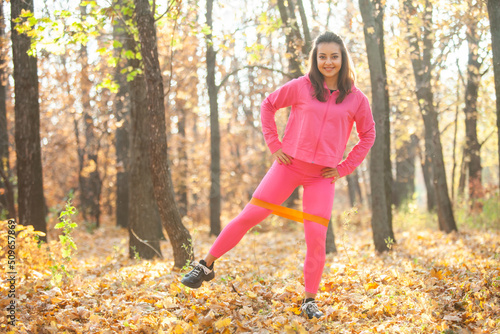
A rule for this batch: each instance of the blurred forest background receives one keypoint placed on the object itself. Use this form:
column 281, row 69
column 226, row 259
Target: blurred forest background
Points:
column 217, row 62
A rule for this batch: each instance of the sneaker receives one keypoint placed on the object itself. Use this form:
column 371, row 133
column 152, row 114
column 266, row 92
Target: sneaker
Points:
column 310, row 309
column 200, row 273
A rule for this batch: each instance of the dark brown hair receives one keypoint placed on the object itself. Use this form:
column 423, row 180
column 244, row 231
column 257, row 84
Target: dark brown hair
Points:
column 346, row 73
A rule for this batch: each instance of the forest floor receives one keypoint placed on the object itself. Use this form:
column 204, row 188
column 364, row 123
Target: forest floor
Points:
column 431, row 282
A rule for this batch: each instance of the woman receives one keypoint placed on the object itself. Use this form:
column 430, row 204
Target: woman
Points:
column 325, row 105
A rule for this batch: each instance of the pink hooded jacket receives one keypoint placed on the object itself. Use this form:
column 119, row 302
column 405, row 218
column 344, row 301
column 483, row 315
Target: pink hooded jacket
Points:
column 317, row 132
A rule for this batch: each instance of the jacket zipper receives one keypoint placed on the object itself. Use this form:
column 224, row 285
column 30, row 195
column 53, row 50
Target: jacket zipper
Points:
column 322, row 125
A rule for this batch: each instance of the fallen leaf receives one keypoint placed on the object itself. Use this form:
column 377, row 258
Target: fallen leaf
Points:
column 219, row 324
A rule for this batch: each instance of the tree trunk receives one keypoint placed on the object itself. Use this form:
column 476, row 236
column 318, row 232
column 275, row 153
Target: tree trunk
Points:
column 330, row 239
column 122, row 147
column 354, row 190
column 305, row 28
column 215, row 195
column 163, row 190
column 294, row 41
column 144, row 217
column 455, row 131
column 294, row 48
column 351, row 189
column 494, row 15
column 357, row 188
column 472, row 146
column 90, row 181
column 426, row 164
column 404, row 186
column 380, row 169
column 27, row 112
column 7, row 197
column 463, row 175
column 422, row 66
column 182, row 193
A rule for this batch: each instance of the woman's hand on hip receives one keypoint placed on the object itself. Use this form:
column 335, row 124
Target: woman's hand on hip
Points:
column 282, row 157
column 329, row 172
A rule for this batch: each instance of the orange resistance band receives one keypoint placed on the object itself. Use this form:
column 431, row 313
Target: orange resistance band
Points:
column 292, row 214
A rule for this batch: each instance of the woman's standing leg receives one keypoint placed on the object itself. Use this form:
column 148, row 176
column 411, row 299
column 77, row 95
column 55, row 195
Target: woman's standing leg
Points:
column 317, row 200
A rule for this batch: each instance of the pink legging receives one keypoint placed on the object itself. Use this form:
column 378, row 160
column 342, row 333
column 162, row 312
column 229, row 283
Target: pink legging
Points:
column 278, row 184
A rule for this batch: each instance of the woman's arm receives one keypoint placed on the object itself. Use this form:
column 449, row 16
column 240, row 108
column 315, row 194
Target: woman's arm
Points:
column 365, row 126
column 283, row 97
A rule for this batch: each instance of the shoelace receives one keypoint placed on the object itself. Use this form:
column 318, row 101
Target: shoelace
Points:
column 199, row 267
column 311, row 307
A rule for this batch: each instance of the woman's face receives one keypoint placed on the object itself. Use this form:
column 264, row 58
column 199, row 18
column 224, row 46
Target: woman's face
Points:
column 329, row 60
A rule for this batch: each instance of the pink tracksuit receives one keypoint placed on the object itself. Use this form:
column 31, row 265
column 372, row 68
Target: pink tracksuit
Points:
column 316, row 136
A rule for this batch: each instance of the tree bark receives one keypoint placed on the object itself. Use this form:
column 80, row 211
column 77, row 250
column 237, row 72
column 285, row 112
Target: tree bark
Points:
column 90, row 181
column 472, row 146
column 163, row 190
column 421, row 62
column 494, row 16
column 305, row 29
column 404, row 185
column 380, row 169
column 426, row 165
column 463, row 175
column 144, row 222
column 31, row 200
column 388, row 180
column 215, row 194
column 455, row 132
column 144, row 217
column 7, row 198
column 293, row 39
column 330, row 239
column 182, row 192
column 122, row 147
column 357, row 188
column 351, row 189
column 294, row 48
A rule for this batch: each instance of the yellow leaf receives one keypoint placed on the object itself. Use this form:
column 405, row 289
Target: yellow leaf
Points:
column 437, row 273
column 295, row 310
column 242, row 327
column 222, row 323
column 370, row 30
column 372, row 285
column 56, row 300
column 251, row 294
column 178, row 329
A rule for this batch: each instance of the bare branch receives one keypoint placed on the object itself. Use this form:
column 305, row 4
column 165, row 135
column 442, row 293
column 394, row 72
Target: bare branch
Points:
column 486, row 139
column 460, row 74
column 146, row 243
column 168, row 10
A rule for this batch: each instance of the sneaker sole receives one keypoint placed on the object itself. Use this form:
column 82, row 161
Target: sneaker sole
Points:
column 307, row 317
column 196, row 286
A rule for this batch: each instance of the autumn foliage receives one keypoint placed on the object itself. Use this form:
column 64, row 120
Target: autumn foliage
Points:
column 431, row 282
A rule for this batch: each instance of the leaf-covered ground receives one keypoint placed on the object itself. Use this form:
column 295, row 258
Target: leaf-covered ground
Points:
column 430, row 283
